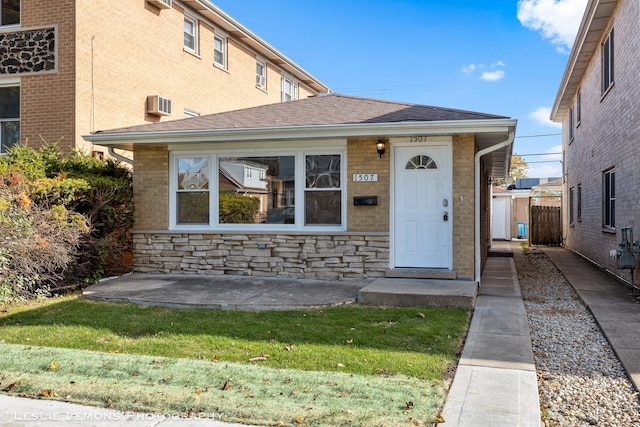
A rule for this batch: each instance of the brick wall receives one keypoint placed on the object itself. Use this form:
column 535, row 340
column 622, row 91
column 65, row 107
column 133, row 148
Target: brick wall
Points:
column 48, row 99
column 112, row 55
column 302, row 255
column 607, row 136
column 151, row 187
column 362, row 157
column 463, row 205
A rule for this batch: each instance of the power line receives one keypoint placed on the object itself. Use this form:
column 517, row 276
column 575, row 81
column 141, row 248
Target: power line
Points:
column 537, row 136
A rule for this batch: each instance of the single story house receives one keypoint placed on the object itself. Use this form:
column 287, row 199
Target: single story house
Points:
column 354, row 188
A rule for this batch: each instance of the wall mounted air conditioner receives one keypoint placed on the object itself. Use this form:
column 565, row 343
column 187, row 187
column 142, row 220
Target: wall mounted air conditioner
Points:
column 158, row 105
column 162, row 4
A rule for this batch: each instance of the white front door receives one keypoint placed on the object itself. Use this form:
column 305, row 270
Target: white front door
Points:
column 422, row 206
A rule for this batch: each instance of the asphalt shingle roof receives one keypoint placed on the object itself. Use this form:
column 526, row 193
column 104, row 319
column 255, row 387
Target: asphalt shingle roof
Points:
column 331, row 109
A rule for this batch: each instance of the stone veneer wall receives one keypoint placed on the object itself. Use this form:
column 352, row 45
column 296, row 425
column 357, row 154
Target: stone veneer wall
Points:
column 300, row 255
column 27, row 51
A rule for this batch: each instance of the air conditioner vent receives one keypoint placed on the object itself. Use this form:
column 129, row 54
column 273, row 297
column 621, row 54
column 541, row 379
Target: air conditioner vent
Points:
column 158, row 105
column 162, row 4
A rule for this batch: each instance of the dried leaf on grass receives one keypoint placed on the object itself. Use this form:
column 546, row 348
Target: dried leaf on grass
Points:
column 9, row 387
column 259, row 358
column 226, row 386
column 47, row 393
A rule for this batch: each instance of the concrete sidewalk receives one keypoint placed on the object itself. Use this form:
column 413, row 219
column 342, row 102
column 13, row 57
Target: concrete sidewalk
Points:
column 611, row 303
column 495, row 383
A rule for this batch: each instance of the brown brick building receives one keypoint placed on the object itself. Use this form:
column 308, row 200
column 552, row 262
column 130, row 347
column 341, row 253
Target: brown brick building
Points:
column 71, row 67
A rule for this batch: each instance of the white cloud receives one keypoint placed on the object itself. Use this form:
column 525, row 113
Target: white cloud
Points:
column 541, row 115
column 468, row 69
column 551, row 166
column 556, row 20
column 492, row 76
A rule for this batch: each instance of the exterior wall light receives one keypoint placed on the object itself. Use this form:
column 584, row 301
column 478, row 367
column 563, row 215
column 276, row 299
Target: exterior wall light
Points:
column 380, row 146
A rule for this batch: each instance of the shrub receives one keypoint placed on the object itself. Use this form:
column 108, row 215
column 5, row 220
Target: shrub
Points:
column 237, row 209
column 61, row 218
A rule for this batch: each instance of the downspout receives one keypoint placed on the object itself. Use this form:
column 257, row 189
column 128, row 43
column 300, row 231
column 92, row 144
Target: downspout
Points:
column 479, row 154
column 117, row 156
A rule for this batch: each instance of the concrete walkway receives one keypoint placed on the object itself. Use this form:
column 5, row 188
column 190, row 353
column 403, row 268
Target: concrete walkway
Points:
column 495, row 384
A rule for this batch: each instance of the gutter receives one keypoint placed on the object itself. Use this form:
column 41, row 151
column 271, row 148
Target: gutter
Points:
column 300, row 132
column 117, row 156
column 479, row 154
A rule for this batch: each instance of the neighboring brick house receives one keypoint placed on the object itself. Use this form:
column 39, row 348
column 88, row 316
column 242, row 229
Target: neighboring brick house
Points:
column 356, row 188
column 68, row 68
column 598, row 103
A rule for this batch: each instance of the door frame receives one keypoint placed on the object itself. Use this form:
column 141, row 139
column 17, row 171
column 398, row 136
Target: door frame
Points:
column 418, row 141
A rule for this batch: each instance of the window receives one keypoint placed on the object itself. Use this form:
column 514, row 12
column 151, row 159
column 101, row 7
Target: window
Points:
column 607, row 63
column 609, row 199
column 289, row 89
column 322, row 196
column 261, row 74
column 187, row 113
column 191, row 34
column 579, row 207
column 192, row 198
column 578, row 108
column 291, row 190
column 10, row 12
column 9, row 117
column 571, row 201
column 220, row 51
column 571, row 124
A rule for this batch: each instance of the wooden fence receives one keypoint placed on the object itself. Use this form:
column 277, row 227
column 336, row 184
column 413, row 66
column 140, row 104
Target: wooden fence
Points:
column 545, row 225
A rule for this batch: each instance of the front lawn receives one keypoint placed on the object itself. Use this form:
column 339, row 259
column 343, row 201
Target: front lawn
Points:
column 350, row 364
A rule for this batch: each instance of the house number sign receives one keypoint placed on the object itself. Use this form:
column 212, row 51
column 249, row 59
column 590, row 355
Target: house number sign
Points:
column 365, row 177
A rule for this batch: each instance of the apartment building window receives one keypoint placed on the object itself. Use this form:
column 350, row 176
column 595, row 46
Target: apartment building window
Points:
column 220, row 51
column 289, row 89
column 191, row 34
column 261, row 74
column 571, row 204
column 607, row 63
column 609, row 199
column 10, row 12
column 579, row 203
column 571, row 111
column 578, row 108
column 9, row 117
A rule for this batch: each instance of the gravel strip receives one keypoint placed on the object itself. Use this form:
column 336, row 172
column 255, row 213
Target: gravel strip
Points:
column 580, row 380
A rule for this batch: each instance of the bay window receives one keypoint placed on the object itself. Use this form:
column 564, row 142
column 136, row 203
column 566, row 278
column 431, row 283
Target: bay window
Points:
column 260, row 191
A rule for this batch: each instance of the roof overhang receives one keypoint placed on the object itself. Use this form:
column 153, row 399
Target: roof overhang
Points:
column 225, row 22
column 487, row 132
column 594, row 23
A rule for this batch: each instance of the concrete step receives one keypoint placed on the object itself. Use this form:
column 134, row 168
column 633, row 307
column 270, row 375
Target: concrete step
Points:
column 400, row 292
column 420, row 273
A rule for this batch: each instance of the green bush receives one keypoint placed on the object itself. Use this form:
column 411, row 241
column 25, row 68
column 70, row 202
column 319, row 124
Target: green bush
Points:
column 237, row 209
column 62, row 219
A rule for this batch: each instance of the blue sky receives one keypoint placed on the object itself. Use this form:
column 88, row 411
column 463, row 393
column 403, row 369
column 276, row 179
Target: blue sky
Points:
column 502, row 57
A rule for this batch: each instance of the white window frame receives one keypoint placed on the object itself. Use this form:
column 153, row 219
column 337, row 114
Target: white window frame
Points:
column 11, row 25
column 11, row 82
column 194, row 23
column 299, row 152
column 223, row 43
column 187, row 113
column 294, row 89
column 261, row 79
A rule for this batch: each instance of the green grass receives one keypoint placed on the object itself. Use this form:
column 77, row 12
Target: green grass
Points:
column 323, row 351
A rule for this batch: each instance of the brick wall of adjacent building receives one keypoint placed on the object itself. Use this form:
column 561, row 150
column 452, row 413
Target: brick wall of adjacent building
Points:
column 363, row 158
column 463, row 205
column 48, row 98
column 303, row 255
column 112, row 55
column 151, row 188
column 607, row 136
